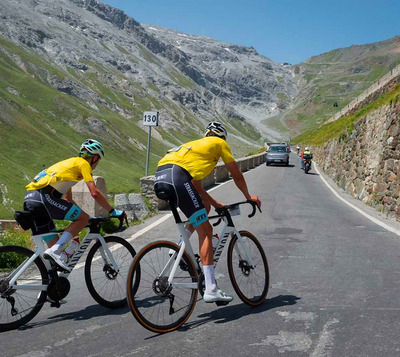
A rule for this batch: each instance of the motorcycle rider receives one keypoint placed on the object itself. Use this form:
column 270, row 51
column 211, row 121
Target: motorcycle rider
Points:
column 306, row 151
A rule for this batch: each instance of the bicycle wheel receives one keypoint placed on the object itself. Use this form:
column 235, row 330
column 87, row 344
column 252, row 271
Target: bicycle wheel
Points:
column 251, row 282
column 156, row 305
column 18, row 306
column 106, row 285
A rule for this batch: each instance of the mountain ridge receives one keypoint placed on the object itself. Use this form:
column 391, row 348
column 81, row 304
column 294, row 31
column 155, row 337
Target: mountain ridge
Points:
column 69, row 73
column 74, row 69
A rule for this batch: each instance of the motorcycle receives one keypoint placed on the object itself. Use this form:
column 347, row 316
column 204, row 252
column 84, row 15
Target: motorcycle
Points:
column 307, row 162
column 307, row 165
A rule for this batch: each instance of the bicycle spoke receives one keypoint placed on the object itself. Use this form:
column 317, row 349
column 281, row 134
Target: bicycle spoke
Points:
column 19, row 305
column 250, row 282
column 106, row 285
column 157, row 305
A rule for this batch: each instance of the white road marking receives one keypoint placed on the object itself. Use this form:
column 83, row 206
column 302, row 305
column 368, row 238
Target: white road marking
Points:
column 373, row 219
column 325, row 341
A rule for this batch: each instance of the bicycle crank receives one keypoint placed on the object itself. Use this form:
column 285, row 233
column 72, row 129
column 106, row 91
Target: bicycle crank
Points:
column 201, row 284
column 57, row 291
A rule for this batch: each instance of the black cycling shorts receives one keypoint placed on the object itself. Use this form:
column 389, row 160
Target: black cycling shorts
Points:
column 174, row 184
column 46, row 204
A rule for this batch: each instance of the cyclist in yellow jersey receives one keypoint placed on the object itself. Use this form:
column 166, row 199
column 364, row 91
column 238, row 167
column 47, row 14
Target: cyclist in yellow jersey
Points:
column 178, row 180
column 44, row 198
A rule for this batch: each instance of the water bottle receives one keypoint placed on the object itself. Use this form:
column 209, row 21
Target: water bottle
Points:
column 69, row 251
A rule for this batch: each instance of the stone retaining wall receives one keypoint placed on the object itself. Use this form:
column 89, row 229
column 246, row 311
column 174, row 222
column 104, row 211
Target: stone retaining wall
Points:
column 83, row 198
column 366, row 162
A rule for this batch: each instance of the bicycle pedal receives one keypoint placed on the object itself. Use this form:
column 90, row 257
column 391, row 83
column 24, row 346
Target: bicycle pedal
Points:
column 222, row 303
column 55, row 304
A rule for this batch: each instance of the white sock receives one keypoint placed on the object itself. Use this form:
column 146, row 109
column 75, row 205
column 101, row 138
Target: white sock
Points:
column 209, row 278
column 61, row 243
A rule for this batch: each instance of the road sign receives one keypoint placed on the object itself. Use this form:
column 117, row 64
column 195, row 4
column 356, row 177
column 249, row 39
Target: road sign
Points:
column 150, row 118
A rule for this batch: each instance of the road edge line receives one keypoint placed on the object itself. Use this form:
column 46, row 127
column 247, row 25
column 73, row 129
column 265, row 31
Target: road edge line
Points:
column 373, row 219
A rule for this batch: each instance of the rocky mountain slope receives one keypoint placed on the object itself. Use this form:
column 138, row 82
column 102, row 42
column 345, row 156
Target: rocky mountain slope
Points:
column 72, row 69
column 245, row 84
column 328, row 82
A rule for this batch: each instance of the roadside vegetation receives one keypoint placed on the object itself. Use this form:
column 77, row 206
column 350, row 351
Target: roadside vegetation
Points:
column 324, row 133
column 40, row 125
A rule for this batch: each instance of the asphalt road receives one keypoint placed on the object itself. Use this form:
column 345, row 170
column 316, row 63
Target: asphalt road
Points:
column 335, row 283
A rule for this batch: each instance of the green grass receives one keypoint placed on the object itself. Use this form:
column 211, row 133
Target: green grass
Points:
column 282, row 97
column 41, row 125
column 121, row 49
column 181, row 79
column 149, row 56
column 323, row 134
column 16, row 237
column 337, row 76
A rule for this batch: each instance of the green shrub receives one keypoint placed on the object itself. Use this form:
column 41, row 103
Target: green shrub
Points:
column 13, row 237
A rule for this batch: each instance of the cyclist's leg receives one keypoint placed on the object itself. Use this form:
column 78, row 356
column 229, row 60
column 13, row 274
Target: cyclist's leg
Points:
column 204, row 230
column 42, row 222
column 58, row 208
column 211, row 293
column 198, row 218
column 71, row 231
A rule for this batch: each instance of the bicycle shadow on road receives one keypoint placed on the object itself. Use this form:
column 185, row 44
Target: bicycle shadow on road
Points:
column 87, row 313
column 230, row 313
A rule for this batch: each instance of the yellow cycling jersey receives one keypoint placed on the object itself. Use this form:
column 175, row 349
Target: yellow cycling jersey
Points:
column 199, row 157
column 63, row 175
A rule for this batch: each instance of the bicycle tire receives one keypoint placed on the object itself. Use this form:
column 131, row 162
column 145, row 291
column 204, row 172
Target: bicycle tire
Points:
column 149, row 296
column 105, row 285
column 255, row 279
column 30, row 301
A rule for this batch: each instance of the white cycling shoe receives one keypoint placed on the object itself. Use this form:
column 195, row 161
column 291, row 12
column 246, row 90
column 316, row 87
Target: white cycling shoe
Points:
column 216, row 295
column 57, row 259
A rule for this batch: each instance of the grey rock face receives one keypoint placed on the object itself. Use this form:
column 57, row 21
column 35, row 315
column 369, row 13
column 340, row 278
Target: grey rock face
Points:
column 237, row 76
column 203, row 75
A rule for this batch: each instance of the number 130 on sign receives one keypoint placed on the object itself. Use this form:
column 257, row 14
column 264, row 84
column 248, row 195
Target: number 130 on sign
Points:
column 150, row 118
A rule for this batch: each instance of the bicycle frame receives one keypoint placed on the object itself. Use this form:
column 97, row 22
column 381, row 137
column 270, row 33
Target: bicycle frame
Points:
column 79, row 251
column 228, row 231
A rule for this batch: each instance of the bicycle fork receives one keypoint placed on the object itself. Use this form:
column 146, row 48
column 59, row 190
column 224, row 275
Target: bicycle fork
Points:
column 110, row 267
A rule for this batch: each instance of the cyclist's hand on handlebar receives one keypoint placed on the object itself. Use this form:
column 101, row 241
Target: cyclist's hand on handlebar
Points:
column 117, row 213
column 219, row 205
column 256, row 200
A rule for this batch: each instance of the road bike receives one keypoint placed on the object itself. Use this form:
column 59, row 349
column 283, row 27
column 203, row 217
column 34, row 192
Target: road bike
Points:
column 27, row 280
column 164, row 278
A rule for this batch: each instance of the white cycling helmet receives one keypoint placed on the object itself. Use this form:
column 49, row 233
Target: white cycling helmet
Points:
column 91, row 147
column 216, row 128
column 306, row 149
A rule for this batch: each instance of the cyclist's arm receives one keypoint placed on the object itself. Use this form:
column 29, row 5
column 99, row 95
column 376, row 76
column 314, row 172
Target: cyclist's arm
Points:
column 240, row 182
column 205, row 196
column 98, row 195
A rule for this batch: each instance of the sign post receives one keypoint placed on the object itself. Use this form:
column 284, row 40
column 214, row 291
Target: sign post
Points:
column 149, row 119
